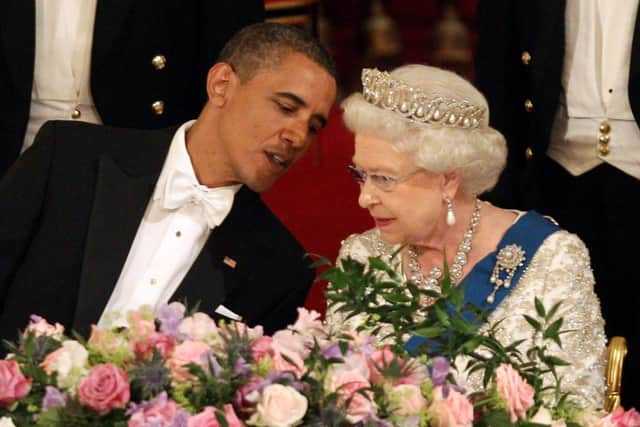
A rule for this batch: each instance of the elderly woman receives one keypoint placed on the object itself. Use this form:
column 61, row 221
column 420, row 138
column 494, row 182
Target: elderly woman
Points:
column 423, row 153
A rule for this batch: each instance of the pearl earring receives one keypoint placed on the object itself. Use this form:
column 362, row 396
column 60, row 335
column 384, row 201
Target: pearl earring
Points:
column 451, row 217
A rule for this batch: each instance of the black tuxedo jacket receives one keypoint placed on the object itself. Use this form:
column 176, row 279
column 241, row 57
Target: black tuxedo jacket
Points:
column 506, row 30
column 71, row 206
column 124, row 83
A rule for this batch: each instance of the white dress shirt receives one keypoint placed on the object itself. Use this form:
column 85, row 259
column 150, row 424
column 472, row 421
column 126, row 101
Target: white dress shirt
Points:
column 168, row 240
column 62, row 68
column 599, row 35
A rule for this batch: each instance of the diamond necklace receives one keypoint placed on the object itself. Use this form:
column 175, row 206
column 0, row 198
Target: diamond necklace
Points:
column 432, row 281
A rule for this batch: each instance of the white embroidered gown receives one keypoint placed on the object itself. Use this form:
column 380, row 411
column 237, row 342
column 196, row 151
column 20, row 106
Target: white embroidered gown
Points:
column 559, row 271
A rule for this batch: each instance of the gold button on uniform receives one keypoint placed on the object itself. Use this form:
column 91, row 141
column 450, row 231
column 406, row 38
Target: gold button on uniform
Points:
column 159, row 62
column 604, row 138
column 75, row 114
column 526, row 57
column 528, row 105
column 158, row 108
column 528, row 153
column 153, row 281
column 603, row 149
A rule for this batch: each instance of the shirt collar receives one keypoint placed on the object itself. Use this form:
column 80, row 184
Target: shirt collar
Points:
column 178, row 159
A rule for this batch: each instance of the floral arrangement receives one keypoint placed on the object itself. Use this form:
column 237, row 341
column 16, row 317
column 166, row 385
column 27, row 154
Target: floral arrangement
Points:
column 172, row 367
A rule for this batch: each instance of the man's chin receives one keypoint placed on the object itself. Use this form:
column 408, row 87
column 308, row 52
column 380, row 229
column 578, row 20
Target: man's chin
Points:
column 260, row 186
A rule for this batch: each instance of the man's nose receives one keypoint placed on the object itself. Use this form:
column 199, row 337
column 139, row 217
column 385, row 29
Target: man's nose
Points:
column 297, row 135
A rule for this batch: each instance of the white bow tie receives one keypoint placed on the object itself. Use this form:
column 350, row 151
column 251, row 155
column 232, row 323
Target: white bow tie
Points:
column 182, row 189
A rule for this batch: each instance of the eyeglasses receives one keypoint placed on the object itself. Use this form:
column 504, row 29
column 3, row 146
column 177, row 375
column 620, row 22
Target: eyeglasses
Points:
column 383, row 182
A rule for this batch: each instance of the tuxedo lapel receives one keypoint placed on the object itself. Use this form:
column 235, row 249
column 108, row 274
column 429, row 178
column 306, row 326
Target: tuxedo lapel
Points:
column 227, row 259
column 118, row 208
column 110, row 15
column 17, row 33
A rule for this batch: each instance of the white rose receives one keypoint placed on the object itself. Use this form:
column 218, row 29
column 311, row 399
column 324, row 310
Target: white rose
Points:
column 280, row 406
column 6, row 422
column 70, row 363
column 199, row 327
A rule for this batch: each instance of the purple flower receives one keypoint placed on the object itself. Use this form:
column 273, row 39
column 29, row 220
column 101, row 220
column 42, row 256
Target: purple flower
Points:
column 285, row 378
column 53, row 398
column 160, row 411
column 209, row 360
column 242, row 368
column 439, row 370
column 34, row 318
column 333, row 351
column 170, row 316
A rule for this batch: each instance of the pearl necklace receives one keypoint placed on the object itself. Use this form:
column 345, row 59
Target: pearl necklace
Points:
column 432, row 281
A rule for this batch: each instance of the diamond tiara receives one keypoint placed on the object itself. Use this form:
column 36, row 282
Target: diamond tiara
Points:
column 382, row 90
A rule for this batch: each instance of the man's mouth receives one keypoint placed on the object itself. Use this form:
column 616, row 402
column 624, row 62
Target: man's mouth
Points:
column 278, row 160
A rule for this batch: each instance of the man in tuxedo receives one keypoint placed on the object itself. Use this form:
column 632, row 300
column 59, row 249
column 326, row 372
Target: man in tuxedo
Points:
column 562, row 78
column 126, row 63
column 99, row 220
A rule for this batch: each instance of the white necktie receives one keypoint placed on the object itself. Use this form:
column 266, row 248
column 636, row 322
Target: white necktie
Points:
column 182, row 189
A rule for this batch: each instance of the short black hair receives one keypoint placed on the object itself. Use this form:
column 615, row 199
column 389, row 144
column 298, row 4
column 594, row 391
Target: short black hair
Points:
column 266, row 44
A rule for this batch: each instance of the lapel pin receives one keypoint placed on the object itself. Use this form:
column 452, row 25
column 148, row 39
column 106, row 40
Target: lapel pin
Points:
column 230, row 262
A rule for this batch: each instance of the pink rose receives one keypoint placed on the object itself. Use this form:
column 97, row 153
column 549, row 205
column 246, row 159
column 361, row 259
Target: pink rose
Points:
column 409, row 400
column 349, row 384
column 39, row 326
column 13, row 385
column 261, row 347
column 160, row 414
column 454, row 411
column 183, row 354
column 516, row 393
column 622, row 418
column 280, row 406
column 380, row 359
column 207, row 418
column 105, row 388
column 163, row 343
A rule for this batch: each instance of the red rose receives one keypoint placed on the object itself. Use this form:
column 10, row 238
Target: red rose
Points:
column 106, row 388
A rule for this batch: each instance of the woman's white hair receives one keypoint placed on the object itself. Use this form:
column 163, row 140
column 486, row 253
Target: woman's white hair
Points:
column 479, row 153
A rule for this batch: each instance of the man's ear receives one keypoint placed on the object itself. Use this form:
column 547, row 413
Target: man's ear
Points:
column 451, row 183
column 219, row 81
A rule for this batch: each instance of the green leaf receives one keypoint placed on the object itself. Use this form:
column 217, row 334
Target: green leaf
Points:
column 430, row 332
column 533, row 322
column 222, row 420
column 552, row 330
column 553, row 311
column 539, row 307
column 495, row 419
column 555, row 361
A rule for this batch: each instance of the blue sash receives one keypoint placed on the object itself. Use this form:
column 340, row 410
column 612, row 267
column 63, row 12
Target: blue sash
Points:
column 529, row 232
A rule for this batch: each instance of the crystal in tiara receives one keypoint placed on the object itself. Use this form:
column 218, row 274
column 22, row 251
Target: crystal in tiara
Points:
column 382, row 90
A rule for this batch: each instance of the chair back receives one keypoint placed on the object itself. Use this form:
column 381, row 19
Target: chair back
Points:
column 616, row 352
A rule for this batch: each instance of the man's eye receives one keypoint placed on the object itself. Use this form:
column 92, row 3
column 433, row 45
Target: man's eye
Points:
column 286, row 108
